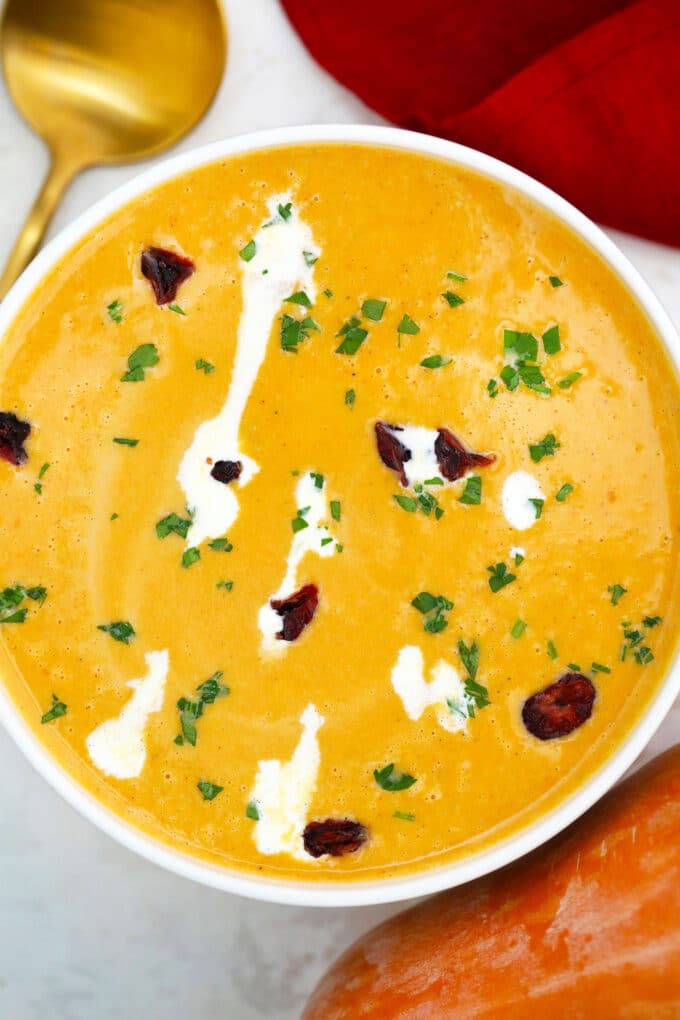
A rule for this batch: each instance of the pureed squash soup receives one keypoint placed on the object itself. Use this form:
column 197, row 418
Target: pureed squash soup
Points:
column 337, row 533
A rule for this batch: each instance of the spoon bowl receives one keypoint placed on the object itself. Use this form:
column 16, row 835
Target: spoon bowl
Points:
column 106, row 81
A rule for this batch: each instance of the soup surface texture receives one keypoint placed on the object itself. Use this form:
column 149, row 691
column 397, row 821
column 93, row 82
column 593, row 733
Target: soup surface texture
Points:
column 337, row 535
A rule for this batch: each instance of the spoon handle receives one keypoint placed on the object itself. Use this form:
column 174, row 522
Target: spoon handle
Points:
column 60, row 173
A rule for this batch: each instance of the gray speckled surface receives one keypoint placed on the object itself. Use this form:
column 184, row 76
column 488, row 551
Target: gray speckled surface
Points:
column 88, row 931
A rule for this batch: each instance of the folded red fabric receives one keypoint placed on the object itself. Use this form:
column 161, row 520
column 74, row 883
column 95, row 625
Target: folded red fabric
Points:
column 582, row 94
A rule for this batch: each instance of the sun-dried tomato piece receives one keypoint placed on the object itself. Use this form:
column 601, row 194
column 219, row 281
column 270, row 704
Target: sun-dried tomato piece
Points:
column 165, row 270
column 334, row 836
column 392, row 452
column 297, row 611
column 560, row 708
column 454, row 459
column 13, row 434
column 226, row 471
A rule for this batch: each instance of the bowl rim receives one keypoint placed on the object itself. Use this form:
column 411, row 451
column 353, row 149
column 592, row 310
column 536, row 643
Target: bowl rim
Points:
column 343, row 892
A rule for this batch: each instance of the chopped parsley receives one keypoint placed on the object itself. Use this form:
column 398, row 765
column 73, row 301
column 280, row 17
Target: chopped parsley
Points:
column 435, row 361
column 562, row 493
column 114, row 517
column 472, row 493
column 310, row 258
column 176, row 309
column 143, row 357
column 404, row 816
column 253, row 811
column 173, row 523
column 523, row 346
column 220, row 545
column 191, row 556
column 122, row 441
column 115, row 311
column 120, row 631
column 522, row 349
column 294, row 331
column 350, row 397
column 56, row 710
column 500, row 577
column 433, row 608
column 393, row 782
column 518, row 628
column 41, row 474
column 408, row 326
column 11, row 599
column 300, row 297
column 652, row 621
column 298, row 523
column 574, row 667
column 453, row 300
column 191, row 710
column 227, row 585
column 248, row 252
column 599, row 668
column 633, row 638
column 317, row 479
column 551, row 340
column 492, row 388
column 407, row 503
column 423, row 500
column 285, row 211
column 204, row 366
column 552, row 650
column 335, row 509
column 518, row 558
column 569, row 380
column 209, row 790
column 476, row 694
column 328, row 293
column 373, row 309
column 545, row 448
column 353, row 335
column 555, row 281
column 326, row 541
column 538, row 506
column 617, row 591
column 456, row 276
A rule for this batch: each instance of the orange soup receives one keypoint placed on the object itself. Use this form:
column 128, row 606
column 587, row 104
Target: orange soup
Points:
column 339, row 531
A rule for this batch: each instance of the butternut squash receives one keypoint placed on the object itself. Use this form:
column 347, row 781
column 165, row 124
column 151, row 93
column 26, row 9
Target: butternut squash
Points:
column 586, row 927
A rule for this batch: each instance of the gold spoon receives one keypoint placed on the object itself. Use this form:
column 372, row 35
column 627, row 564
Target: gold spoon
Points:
column 105, row 81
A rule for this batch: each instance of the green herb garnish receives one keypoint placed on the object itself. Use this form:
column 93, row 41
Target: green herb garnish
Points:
column 285, row 211
column 545, row 448
column 555, row 281
column 204, row 366
column 456, row 276
column 404, row 816
column 191, row 710
column 173, row 523
column 353, row 335
column 538, row 506
column 432, row 608
column 335, row 509
column 408, row 326
column 652, row 621
column 569, row 380
column 552, row 651
column 125, row 442
column 248, row 252
column 253, row 811
column 500, row 577
column 115, row 311
column 598, row 668
column 299, row 298
column 373, row 309
column 294, row 331
column 453, row 300
column 190, row 556
column 209, row 790
column 407, row 503
column 492, row 388
column 310, row 258
column 176, row 309
column 57, row 709
column 476, row 694
column 617, row 591
column 518, row 628
column 562, row 493
column 472, row 493
column 317, row 479
column 227, row 585
column 350, row 397
column 120, row 631
column 220, row 545
column 393, row 781
column 551, row 340
column 435, row 361
column 145, row 356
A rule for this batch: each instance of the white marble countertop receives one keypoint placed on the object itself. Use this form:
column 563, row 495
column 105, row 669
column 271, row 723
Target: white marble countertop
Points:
column 90, row 932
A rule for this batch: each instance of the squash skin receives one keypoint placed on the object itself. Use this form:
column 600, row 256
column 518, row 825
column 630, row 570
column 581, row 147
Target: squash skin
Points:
column 585, row 928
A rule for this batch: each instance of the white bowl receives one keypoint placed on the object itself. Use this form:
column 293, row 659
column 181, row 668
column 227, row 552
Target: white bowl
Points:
column 345, row 893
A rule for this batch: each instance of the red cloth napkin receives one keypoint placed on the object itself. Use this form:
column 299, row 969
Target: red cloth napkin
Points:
column 582, row 94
